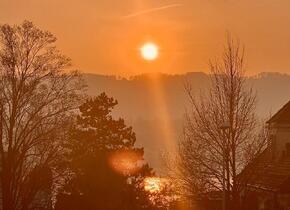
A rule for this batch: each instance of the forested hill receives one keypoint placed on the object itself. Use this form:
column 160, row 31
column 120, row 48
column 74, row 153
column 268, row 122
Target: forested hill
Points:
column 154, row 104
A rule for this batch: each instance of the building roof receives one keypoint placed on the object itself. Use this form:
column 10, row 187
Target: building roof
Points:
column 282, row 116
column 267, row 174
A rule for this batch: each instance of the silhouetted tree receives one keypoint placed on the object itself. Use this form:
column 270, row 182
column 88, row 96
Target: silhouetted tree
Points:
column 107, row 169
column 208, row 155
column 36, row 99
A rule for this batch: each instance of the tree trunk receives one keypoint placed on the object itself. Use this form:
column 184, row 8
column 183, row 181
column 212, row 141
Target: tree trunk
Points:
column 7, row 194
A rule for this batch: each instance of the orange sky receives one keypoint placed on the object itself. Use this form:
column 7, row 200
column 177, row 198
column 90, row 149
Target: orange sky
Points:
column 103, row 36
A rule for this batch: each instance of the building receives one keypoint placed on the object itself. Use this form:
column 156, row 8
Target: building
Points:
column 266, row 179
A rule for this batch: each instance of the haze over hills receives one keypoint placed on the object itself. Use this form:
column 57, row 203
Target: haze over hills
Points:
column 154, row 104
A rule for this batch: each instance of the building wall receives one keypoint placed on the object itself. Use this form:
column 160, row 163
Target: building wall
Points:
column 280, row 137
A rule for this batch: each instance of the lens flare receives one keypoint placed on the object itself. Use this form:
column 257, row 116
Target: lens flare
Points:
column 126, row 161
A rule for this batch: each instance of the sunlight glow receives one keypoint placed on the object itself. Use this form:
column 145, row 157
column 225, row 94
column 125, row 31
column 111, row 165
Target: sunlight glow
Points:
column 126, row 161
column 154, row 184
column 149, row 51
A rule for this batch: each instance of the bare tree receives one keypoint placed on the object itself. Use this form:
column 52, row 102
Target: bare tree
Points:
column 36, row 98
column 211, row 157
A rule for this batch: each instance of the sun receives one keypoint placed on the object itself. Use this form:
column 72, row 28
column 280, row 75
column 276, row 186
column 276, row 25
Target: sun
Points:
column 149, row 51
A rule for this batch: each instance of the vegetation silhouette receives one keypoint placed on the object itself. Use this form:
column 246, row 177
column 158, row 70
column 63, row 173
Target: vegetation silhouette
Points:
column 108, row 170
column 38, row 95
column 222, row 133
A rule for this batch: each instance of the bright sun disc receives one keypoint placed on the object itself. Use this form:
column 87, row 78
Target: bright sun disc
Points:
column 149, row 51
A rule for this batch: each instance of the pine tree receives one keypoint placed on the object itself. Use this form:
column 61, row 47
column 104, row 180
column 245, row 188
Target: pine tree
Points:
column 108, row 170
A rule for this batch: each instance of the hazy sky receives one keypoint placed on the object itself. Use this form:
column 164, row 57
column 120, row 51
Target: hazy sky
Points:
column 103, row 36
